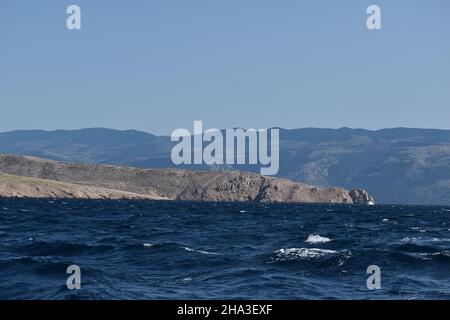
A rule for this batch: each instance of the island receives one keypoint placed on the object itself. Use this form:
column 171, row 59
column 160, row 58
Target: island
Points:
column 32, row 177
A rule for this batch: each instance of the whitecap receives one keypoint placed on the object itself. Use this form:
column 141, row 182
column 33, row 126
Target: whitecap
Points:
column 148, row 245
column 317, row 239
column 302, row 253
column 200, row 251
column 427, row 255
column 389, row 221
column 420, row 240
column 187, row 279
column 243, row 211
column 445, row 253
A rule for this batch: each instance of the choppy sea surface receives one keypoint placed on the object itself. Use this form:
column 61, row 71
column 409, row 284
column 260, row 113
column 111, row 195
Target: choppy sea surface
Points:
column 195, row 250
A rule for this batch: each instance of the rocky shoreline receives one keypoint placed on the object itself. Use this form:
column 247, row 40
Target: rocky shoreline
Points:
column 24, row 176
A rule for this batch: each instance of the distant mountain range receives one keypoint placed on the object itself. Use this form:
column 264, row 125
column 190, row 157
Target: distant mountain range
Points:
column 400, row 165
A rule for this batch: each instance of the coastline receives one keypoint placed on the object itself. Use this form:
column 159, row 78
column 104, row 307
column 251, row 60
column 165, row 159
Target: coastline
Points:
column 23, row 176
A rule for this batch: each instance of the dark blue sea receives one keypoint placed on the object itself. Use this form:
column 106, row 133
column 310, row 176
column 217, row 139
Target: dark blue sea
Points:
column 193, row 250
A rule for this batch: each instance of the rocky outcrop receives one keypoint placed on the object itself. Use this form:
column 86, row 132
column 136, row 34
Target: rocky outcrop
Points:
column 57, row 179
column 360, row 196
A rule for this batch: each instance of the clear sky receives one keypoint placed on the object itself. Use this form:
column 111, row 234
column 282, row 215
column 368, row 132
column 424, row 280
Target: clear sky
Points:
column 160, row 65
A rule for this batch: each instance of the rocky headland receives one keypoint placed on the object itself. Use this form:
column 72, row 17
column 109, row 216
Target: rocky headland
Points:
column 25, row 176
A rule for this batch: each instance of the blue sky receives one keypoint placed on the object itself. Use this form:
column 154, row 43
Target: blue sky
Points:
column 160, row 65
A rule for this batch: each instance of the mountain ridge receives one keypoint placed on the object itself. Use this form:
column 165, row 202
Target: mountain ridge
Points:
column 59, row 179
column 396, row 165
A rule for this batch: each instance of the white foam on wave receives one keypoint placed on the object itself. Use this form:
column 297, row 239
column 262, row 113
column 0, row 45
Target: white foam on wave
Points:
column 430, row 255
column 302, row 253
column 317, row 239
column 418, row 229
column 445, row 253
column 200, row 251
column 389, row 221
column 415, row 240
column 148, row 245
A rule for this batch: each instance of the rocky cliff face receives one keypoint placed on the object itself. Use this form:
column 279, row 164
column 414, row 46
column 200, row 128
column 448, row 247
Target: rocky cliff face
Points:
column 360, row 196
column 36, row 177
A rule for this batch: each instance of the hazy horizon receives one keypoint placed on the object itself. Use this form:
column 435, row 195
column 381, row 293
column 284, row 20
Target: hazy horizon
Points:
column 206, row 127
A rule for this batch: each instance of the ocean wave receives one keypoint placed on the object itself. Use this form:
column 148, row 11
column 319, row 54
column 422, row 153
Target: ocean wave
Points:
column 317, row 239
column 200, row 251
column 429, row 255
column 165, row 258
column 303, row 253
column 38, row 265
column 175, row 247
column 62, row 248
column 389, row 221
column 445, row 253
column 421, row 240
